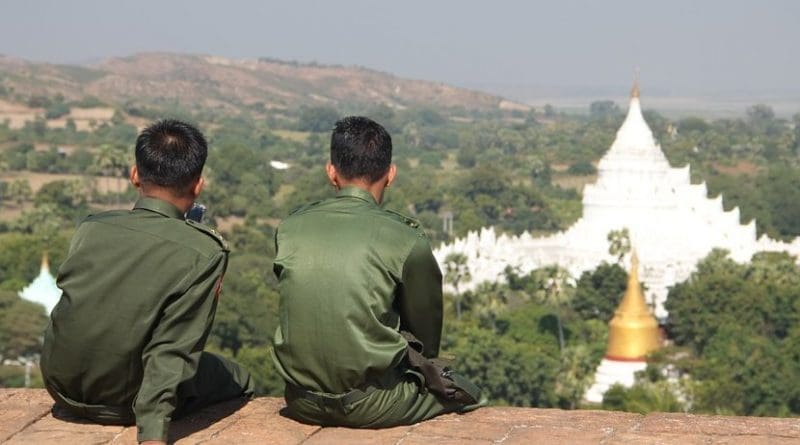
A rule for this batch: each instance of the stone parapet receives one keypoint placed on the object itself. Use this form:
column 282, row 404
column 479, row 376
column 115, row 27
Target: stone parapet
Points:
column 25, row 418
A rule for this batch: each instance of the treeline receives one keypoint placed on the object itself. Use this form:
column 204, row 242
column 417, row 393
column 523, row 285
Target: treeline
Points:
column 528, row 341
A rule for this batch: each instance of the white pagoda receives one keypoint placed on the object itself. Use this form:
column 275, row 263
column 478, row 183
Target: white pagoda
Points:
column 43, row 288
column 671, row 221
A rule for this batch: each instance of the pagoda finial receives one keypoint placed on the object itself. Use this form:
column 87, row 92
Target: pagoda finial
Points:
column 45, row 261
column 633, row 332
column 635, row 89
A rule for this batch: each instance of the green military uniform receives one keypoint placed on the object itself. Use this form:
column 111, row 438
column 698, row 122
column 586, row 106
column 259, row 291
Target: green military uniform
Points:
column 125, row 342
column 351, row 277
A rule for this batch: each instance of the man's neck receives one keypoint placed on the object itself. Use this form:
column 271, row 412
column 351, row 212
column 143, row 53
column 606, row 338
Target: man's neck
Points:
column 375, row 189
column 182, row 203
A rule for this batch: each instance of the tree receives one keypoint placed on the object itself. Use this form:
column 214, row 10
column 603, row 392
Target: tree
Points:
column 489, row 303
column 69, row 199
column 456, row 271
column 619, row 243
column 112, row 160
column 21, row 325
column 558, row 293
column 317, row 119
column 258, row 361
column 508, row 371
column 740, row 323
column 603, row 108
column 42, row 221
column 56, row 110
column 760, row 113
column 598, row 292
column 643, row 397
column 20, row 190
column 248, row 317
column 575, row 375
column 582, row 168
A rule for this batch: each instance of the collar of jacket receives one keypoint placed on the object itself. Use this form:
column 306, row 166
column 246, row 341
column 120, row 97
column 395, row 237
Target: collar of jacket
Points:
column 356, row 192
column 159, row 206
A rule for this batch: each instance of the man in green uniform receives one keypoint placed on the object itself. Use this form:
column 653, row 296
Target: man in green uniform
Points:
column 139, row 293
column 352, row 276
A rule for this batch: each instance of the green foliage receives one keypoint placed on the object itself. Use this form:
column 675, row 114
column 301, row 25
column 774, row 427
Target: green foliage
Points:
column 535, row 341
column 599, row 291
column 740, row 321
column 456, row 272
column 21, row 325
column 643, row 397
column 619, row 243
column 604, row 108
column 13, row 376
column 582, row 168
column 21, row 256
column 56, row 110
column 247, row 313
column 510, row 372
column 317, row 119
column 693, row 124
column 258, row 361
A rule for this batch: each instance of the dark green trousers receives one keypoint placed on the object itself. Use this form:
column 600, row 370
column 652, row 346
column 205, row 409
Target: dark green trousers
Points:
column 216, row 380
column 397, row 400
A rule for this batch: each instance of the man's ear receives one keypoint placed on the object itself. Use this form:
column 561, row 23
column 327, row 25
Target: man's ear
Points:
column 137, row 183
column 333, row 175
column 391, row 174
column 198, row 186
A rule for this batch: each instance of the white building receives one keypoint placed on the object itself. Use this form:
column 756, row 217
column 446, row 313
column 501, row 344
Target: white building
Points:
column 43, row 288
column 671, row 221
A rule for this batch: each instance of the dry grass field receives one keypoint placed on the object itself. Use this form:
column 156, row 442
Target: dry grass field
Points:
column 18, row 114
column 86, row 119
column 104, row 184
column 295, row 136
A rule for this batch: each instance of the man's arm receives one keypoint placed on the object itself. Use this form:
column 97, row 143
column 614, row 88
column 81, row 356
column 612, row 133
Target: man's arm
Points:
column 420, row 299
column 174, row 349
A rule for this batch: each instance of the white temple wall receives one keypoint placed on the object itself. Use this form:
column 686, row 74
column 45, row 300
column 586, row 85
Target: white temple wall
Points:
column 672, row 222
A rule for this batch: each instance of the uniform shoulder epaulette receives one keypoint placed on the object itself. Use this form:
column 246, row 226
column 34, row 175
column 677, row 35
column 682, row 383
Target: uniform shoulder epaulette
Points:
column 304, row 207
column 208, row 231
column 407, row 220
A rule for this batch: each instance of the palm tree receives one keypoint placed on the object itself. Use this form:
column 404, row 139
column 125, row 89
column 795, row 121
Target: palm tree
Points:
column 619, row 243
column 558, row 293
column 456, row 271
column 491, row 301
column 112, row 160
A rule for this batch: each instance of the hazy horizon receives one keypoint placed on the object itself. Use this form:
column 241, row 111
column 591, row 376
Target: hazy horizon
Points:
column 572, row 49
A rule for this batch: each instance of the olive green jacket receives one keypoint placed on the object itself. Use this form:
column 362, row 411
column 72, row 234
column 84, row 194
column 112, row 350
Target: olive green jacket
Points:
column 351, row 276
column 139, row 296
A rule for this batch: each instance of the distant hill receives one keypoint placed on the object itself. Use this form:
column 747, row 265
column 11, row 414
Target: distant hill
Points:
column 224, row 84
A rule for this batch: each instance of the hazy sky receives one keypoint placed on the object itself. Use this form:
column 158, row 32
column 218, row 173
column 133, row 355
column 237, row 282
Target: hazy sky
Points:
column 681, row 46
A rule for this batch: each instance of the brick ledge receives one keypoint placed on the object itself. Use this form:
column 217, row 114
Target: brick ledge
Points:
column 25, row 418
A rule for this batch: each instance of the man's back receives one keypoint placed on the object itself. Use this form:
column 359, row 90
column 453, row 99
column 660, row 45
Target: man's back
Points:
column 126, row 272
column 342, row 266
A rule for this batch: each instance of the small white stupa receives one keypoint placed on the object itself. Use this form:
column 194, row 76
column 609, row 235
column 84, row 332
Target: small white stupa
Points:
column 43, row 288
column 671, row 221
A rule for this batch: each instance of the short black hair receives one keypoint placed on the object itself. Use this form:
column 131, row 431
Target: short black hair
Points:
column 361, row 148
column 171, row 154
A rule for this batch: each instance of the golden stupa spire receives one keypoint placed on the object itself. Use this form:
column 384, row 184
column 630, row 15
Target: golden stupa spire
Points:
column 45, row 261
column 633, row 332
column 635, row 88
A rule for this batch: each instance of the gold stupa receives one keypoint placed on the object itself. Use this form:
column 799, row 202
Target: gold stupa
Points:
column 633, row 332
column 635, row 88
